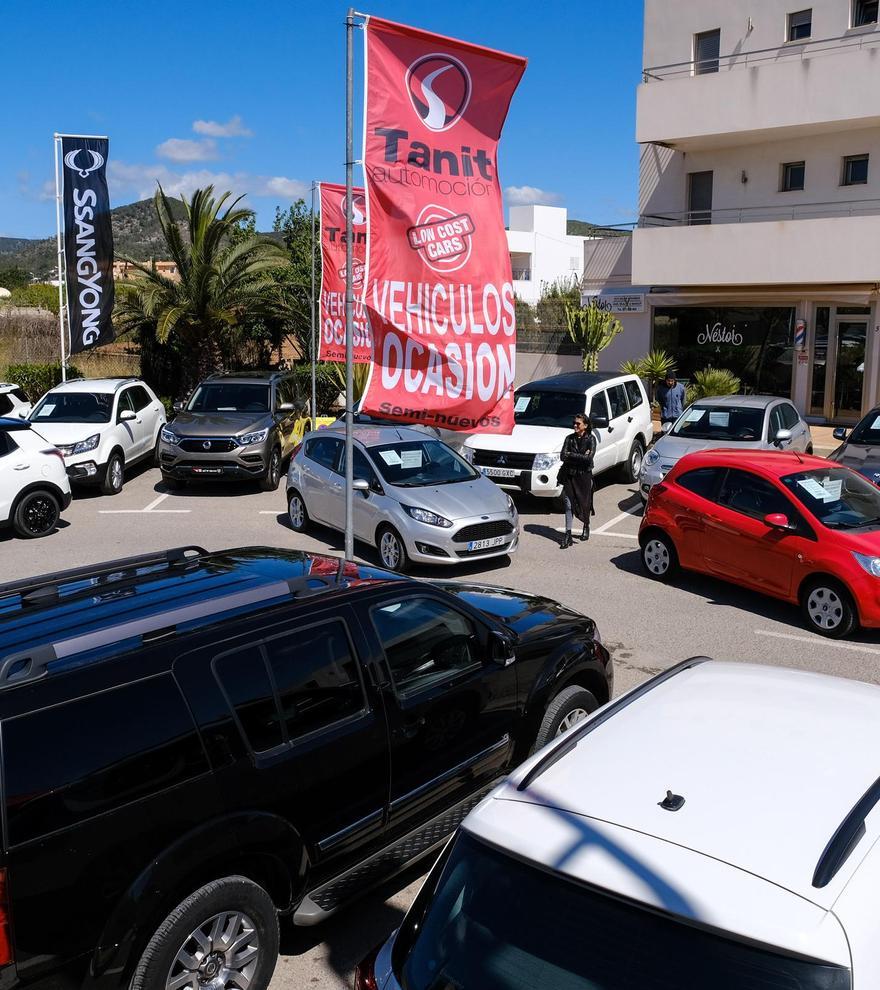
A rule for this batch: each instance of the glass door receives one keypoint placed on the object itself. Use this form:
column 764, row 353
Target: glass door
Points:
column 849, row 371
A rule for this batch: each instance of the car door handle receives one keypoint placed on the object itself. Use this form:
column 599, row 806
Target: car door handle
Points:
column 20, row 467
column 629, row 419
column 409, row 730
column 610, row 429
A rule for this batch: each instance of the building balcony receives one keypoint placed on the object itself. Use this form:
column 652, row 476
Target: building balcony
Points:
column 798, row 89
column 832, row 243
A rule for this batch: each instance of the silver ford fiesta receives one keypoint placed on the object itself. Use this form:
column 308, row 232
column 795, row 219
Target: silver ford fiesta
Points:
column 416, row 500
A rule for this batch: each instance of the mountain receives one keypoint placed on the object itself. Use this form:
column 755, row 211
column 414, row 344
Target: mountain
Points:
column 582, row 228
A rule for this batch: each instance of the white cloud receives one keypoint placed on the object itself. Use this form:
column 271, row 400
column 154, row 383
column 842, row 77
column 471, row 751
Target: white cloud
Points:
column 185, row 150
column 530, row 196
column 234, row 127
column 141, row 180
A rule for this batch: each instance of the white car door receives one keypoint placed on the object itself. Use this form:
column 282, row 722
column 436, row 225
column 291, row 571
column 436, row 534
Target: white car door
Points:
column 621, row 425
column 151, row 414
column 131, row 432
column 604, row 457
column 18, row 468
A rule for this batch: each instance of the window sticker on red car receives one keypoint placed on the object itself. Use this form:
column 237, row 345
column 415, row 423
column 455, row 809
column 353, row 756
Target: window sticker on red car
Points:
column 827, row 490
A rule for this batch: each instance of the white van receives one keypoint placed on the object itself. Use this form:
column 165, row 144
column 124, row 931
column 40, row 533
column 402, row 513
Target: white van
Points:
column 528, row 459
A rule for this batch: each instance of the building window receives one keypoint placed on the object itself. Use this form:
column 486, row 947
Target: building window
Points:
column 792, row 177
column 864, row 12
column 707, row 51
column 855, row 170
column 521, row 266
column 700, row 197
column 800, row 25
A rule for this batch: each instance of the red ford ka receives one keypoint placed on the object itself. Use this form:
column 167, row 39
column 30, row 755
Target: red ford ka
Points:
column 794, row 526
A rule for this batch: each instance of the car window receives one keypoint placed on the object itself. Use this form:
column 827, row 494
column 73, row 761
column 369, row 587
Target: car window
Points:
column 599, row 407
column 324, row 450
column 7, row 444
column 838, row 497
column 125, row 403
column 74, row 407
column 705, row 421
column 230, row 397
column 17, row 392
column 702, row 481
column 745, row 492
column 5, row 404
column 425, row 641
column 317, row 677
column 244, row 680
column 363, row 470
column 551, row 408
column 140, row 397
column 633, row 393
column 776, row 423
column 868, row 430
column 618, row 401
column 420, row 463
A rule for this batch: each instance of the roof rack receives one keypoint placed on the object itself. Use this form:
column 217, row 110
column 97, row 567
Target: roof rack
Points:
column 846, row 837
column 46, row 587
column 574, row 736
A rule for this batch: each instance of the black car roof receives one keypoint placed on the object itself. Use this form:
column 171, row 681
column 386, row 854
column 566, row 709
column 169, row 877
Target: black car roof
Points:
column 248, row 376
column 571, row 381
column 9, row 424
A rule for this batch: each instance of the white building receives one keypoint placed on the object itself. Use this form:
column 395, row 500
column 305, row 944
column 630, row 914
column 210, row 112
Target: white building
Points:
column 758, row 242
column 541, row 251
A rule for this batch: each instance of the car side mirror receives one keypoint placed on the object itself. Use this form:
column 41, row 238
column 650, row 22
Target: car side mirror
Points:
column 782, row 436
column 502, row 648
column 286, row 407
column 840, row 433
column 126, row 416
column 599, row 422
column 778, row 520
column 177, row 407
column 361, row 485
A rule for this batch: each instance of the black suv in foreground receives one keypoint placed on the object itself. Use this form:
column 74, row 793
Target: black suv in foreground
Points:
column 236, row 426
column 193, row 743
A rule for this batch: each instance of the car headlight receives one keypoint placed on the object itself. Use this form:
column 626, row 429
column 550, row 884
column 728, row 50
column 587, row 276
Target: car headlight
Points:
column 511, row 507
column 544, row 462
column 651, row 458
column 870, row 564
column 257, row 437
column 424, row 516
column 83, row 447
column 169, row 436
column 467, row 453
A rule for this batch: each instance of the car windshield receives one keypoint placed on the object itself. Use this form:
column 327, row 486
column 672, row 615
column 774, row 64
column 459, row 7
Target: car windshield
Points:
column 702, row 421
column 868, row 431
column 230, row 397
column 492, row 922
column 74, row 407
column 415, row 463
column 547, row 408
column 837, row 497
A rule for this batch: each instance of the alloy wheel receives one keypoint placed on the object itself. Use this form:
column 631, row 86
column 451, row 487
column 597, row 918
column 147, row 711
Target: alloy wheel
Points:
column 389, row 549
column 571, row 719
column 296, row 511
column 275, row 467
column 116, row 474
column 656, row 555
column 39, row 515
column 636, row 462
column 825, row 608
column 222, row 953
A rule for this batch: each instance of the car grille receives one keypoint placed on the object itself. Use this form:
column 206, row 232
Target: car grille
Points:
column 504, row 459
column 483, row 531
column 217, row 445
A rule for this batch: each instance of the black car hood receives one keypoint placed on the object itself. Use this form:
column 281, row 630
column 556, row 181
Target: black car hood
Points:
column 860, row 457
column 219, row 424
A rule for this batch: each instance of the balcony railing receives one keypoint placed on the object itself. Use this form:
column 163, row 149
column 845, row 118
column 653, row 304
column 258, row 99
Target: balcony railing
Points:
column 792, row 50
column 522, row 274
column 757, row 214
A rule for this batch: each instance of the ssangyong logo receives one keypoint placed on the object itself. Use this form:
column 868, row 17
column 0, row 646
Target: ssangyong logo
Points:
column 443, row 237
column 358, row 209
column 70, row 162
column 439, row 88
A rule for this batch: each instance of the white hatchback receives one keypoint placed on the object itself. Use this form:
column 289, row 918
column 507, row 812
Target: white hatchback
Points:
column 13, row 402
column 102, row 426
column 34, row 488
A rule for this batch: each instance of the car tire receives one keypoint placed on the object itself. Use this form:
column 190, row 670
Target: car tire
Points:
column 392, row 550
column 572, row 705
column 828, row 608
column 113, row 477
column 272, row 479
column 659, row 559
column 629, row 470
column 218, row 916
column 297, row 513
column 156, row 461
column 809, row 450
column 36, row 514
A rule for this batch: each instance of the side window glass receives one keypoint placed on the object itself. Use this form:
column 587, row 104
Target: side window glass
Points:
column 141, row 398
column 701, row 482
column 745, row 492
column 790, row 417
column 633, row 393
column 17, row 392
column 775, row 422
column 317, row 677
column 617, row 399
column 425, row 642
column 5, row 404
column 7, row 444
column 324, row 451
column 244, row 680
column 125, row 402
column 363, row 469
column 599, row 407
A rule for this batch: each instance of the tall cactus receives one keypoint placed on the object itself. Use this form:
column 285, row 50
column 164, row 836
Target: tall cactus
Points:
column 592, row 329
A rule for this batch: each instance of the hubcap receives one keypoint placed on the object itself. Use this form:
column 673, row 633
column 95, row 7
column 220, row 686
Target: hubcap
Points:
column 656, row 557
column 276, row 465
column 390, row 550
column 825, row 608
column 296, row 512
column 572, row 718
column 636, row 462
column 221, row 953
column 39, row 514
column 116, row 474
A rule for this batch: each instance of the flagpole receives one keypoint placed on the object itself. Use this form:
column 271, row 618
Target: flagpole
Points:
column 314, row 326
column 349, row 286
column 57, row 141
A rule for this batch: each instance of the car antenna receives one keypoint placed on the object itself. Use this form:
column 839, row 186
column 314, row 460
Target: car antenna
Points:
column 798, row 456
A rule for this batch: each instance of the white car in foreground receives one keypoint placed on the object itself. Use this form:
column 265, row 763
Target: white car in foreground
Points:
column 34, row 488
column 715, row 828
column 102, row 426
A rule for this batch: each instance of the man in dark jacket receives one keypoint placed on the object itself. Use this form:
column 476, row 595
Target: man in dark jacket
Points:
column 670, row 396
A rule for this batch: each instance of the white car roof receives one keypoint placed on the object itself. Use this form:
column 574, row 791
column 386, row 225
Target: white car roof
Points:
column 770, row 762
column 95, row 384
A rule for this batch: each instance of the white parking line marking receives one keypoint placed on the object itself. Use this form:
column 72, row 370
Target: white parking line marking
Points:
column 622, row 536
column 141, row 512
column 613, row 522
column 814, row 640
column 156, row 502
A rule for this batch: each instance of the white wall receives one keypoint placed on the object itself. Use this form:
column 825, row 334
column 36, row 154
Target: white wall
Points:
column 540, row 231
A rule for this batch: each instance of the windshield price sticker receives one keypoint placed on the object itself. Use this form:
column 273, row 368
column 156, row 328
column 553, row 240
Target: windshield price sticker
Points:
column 47, row 410
column 876, row 424
column 410, row 459
column 692, row 415
column 391, row 457
column 522, row 403
column 719, row 419
column 827, row 491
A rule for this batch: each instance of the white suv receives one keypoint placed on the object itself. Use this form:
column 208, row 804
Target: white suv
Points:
column 716, row 827
column 34, row 488
column 13, row 401
column 528, row 459
column 101, row 426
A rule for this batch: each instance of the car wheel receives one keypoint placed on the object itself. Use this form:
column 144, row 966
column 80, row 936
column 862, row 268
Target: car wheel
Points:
column 272, row 478
column 222, row 937
column 114, row 475
column 629, row 471
column 392, row 550
column 156, row 462
column 297, row 512
column 36, row 515
column 572, row 705
column 810, row 450
column 828, row 608
column 659, row 558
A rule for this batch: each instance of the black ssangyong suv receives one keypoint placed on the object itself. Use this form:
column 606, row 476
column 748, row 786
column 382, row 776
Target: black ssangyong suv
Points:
column 193, row 743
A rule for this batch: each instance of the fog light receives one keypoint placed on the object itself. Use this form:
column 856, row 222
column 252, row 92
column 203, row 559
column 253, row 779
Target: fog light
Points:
column 543, row 479
column 90, row 468
column 430, row 550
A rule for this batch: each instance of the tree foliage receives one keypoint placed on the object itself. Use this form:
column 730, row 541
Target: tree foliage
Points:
column 713, row 381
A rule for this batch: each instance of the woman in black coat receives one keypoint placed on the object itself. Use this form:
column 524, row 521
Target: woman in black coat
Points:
column 576, row 475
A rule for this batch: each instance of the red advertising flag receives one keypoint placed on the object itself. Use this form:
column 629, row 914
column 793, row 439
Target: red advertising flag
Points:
column 332, row 344
column 438, row 286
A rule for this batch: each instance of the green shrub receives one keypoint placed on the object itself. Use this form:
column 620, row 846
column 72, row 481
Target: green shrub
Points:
column 39, row 296
column 36, row 379
column 712, row 381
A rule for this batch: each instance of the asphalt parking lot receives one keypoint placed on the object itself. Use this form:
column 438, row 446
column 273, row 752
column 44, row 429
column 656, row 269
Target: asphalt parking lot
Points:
column 647, row 626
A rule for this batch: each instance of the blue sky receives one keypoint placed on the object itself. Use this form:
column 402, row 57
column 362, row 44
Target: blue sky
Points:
column 250, row 95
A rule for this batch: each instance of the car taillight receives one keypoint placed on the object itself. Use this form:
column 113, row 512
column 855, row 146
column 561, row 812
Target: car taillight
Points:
column 6, row 956
column 55, row 453
column 658, row 489
column 365, row 974
column 296, row 450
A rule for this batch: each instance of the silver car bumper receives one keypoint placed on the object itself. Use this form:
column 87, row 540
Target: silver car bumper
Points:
column 653, row 475
column 473, row 538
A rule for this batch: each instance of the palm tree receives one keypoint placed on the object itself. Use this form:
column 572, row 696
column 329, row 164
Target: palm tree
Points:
column 592, row 329
column 224, row 285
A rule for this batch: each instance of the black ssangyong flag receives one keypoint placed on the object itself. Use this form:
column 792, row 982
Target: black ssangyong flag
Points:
column 88, row 242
